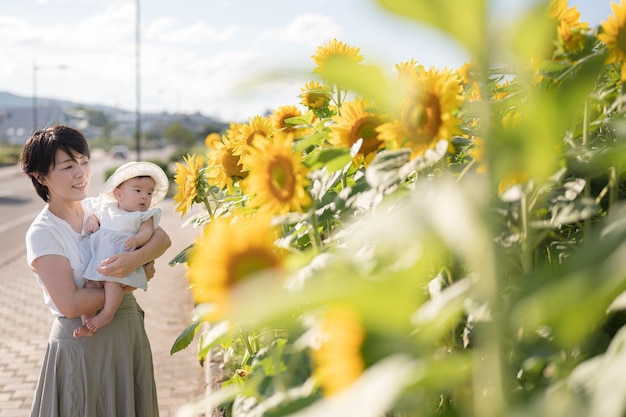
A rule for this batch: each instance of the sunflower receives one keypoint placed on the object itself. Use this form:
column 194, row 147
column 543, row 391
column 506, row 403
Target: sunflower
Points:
column 408, row 68
column 570, row 30
column 512, row 179
column 277, row 177
column 471, row 88
column 465, row 72
column 502, row 91
column 338, row 362
column 614, row 32
column 471, row 92
column 257, row 126
column 355, row 123
column 427, row 113
column 233, row 130
column 281, row 114
column 217, row 261
column 477, row 152
column 315, row 96
column 210, row 138
column 335, row 50
column 189, row 179
column 224, row 166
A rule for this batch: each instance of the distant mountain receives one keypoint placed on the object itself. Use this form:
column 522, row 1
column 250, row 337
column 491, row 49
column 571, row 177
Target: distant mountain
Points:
column 18, row 117
column 10, row 100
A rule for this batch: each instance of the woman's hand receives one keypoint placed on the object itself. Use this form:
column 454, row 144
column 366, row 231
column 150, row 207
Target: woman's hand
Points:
column 118, row 265
column 121, row 264
column 150, row 270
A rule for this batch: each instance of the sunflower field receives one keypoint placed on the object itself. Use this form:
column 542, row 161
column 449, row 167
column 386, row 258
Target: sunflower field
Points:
column 440, row 242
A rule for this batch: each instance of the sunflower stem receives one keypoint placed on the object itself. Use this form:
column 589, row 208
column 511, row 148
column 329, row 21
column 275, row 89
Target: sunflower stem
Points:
column 613, row 191
column 207, row 204
column 526, row 253
column 587, row 190
column 466, row 168
column 338, row 100
column 314, row 235
column 246, row 341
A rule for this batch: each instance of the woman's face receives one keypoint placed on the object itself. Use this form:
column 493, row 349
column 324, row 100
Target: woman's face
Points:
column 69, row 178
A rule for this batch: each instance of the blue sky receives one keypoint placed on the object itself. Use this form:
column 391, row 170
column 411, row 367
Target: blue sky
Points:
column 211, row 56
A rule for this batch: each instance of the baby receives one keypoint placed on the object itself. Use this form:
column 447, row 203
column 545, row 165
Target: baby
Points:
column 123, row 220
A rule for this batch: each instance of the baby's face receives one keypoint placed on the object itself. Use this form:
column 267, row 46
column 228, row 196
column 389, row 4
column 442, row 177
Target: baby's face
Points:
column 135, row 194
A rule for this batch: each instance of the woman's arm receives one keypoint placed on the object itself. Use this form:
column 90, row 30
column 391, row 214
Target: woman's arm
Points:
column 56, row 274
column 122, row 264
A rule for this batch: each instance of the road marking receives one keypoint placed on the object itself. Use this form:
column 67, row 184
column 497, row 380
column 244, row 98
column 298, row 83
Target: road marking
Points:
column 20, row 220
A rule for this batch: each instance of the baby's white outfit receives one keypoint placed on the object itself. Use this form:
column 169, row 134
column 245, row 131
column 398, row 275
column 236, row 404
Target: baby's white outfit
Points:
column 115, row 226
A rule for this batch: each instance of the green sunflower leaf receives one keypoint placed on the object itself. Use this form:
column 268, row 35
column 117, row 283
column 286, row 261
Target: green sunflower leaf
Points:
column 333, row 159
column 186, row 337
column 181, row 258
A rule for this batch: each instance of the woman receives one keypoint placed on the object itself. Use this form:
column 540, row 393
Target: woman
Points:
column 110, row 373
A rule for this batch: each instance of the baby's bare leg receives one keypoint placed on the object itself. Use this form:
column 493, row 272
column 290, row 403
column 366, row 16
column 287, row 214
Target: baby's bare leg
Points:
column 82, row 330
column 113, row 293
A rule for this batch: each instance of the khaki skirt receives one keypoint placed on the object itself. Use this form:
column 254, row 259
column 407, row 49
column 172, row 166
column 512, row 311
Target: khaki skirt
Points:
column 107, row 374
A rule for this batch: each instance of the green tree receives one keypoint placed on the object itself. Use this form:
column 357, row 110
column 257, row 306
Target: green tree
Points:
column 179, row 135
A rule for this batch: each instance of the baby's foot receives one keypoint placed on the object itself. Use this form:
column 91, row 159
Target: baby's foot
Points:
column 97, row 322
column 82, row 330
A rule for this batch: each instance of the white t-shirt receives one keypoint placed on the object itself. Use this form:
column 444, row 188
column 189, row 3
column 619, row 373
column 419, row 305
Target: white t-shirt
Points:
column 50, row 235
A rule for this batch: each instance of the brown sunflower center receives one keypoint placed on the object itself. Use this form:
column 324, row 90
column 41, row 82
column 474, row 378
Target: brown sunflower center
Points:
column 231, row 164
column 365, row 128
column 248, row 262
column 282, row 181
column 316, row 100
column 285, row 125
column 430, row 118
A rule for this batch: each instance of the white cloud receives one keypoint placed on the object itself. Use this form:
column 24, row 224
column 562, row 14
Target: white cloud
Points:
column 166, row 30
column 228, row 57
column 14, row 31
column 308, row 29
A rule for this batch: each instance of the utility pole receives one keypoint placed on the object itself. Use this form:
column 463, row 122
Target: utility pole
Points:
column 35, row 69
column 137, row 84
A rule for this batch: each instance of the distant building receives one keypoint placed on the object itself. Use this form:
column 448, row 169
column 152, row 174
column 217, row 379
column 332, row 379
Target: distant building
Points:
column 17, row 118
column 16, row 123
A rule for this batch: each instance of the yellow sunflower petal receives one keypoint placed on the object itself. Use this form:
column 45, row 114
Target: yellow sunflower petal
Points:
column 315, row 96
column 228, row 252
column 277, row 180
column 335, row 49
column 355, row 123
column 186, row 178
column 614, row 32
column 224, row 165
column 338, row 360
column 428, row 112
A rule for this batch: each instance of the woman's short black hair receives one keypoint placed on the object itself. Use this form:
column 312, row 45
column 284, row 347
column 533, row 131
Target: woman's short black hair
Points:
column 40, row 150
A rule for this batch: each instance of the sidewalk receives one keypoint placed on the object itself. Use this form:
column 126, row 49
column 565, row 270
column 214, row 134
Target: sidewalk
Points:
column 168, row 307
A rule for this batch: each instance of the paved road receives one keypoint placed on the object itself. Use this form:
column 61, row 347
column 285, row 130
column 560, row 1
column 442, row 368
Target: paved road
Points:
column 25, row 324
